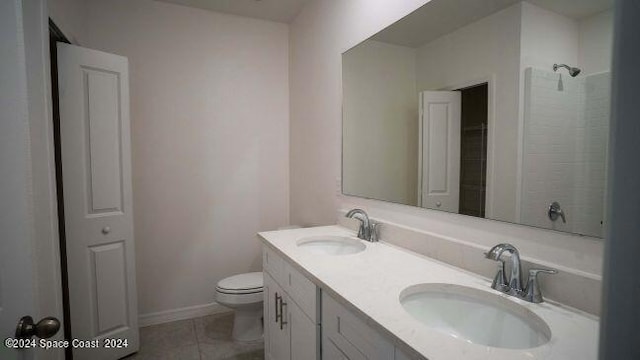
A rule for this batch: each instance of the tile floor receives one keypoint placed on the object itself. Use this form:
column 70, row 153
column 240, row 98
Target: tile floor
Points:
column 206, row 338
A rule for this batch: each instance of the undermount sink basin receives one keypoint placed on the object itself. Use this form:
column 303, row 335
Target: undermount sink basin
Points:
column 331, row 245
column 475, row 316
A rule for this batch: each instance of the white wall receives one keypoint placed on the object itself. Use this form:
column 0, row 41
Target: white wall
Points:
column 596, row 42
column 547, row 38
column 209, row 114
column 486, row 49
column 380, row 126
column 69, row 16
column 321, row 32
column 319, row 35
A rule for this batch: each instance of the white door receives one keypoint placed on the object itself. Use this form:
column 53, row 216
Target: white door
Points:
column 96, row 177
column 17, row 285
column 440, row 113
column 29, row 257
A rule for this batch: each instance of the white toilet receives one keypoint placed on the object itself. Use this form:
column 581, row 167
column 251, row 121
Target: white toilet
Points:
column 243, row 293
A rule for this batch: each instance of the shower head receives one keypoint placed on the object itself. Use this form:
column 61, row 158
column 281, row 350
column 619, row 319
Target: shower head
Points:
column 573, row 71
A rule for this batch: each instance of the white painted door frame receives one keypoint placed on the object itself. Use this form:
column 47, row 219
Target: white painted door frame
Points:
column 490, row 80
column 34, row 91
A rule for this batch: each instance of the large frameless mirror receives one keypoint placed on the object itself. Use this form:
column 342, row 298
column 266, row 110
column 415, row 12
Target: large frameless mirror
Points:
column 493, row 109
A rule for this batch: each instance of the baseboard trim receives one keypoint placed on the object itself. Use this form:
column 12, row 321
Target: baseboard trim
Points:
column 184, row 313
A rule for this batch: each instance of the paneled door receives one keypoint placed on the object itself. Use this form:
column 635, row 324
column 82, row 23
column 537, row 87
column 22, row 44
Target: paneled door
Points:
column 96, row 177
column 440, row 118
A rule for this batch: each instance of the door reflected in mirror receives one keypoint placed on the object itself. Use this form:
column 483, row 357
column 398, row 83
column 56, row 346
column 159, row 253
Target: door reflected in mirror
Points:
column 493, row 109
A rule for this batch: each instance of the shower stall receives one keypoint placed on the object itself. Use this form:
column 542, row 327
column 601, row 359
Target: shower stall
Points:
column 564, row 151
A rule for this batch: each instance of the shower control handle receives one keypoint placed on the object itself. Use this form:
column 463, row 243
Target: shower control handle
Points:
column 555, row 211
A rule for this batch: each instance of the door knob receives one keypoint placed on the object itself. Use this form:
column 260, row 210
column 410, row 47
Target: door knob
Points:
column 106, row 230
column 44, row 329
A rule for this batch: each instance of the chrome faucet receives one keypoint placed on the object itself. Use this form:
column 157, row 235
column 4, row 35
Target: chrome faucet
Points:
column 513, row 285
column 368, row 230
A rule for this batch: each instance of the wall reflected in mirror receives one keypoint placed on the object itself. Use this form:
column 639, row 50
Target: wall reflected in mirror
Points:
column 493, row 109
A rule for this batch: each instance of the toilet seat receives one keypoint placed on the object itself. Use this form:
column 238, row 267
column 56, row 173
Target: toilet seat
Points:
column 239, row 292
column 241, row 289
column 232, row 300
column 249, row 283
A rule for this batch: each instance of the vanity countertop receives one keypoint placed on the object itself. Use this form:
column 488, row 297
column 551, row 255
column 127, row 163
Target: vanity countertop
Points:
column 370, row 283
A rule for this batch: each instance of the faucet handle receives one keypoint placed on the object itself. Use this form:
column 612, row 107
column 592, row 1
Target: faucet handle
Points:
column 375, row 231
column 532, row 291
column 554, row 211
column 535, row 272
column 500, row 280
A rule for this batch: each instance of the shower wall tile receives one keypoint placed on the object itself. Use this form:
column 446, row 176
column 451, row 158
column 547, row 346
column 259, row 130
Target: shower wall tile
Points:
column 566, row 126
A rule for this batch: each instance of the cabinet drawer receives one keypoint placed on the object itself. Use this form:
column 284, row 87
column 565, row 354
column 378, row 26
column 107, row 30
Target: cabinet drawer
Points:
column 300, row 289
column 331, row 352
column 400, row 355
column 351, row 335
column 273, row 264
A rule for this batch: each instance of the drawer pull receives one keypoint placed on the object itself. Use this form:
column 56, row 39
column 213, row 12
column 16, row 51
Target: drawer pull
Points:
column 278, row 305
column 282, row 322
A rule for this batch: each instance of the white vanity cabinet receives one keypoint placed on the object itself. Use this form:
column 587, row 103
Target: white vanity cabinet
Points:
column 294, row 322
column 345, row 336
column 291, row 321
column 276, row 334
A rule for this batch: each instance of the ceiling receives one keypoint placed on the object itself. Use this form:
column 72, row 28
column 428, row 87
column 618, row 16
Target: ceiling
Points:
column 275, row 10
column 434, row 19
column 440, row 17
column 576, row 9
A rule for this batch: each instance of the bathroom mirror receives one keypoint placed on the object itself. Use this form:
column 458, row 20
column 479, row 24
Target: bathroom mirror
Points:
column 495, row 109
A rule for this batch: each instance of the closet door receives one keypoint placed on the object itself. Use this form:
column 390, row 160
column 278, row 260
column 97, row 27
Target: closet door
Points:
column 96, row 178
column 440, row 149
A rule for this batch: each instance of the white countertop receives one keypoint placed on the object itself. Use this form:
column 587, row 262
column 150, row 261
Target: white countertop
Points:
column 371, row 281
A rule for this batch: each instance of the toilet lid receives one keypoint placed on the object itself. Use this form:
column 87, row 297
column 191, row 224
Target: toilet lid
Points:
column 242, row 282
